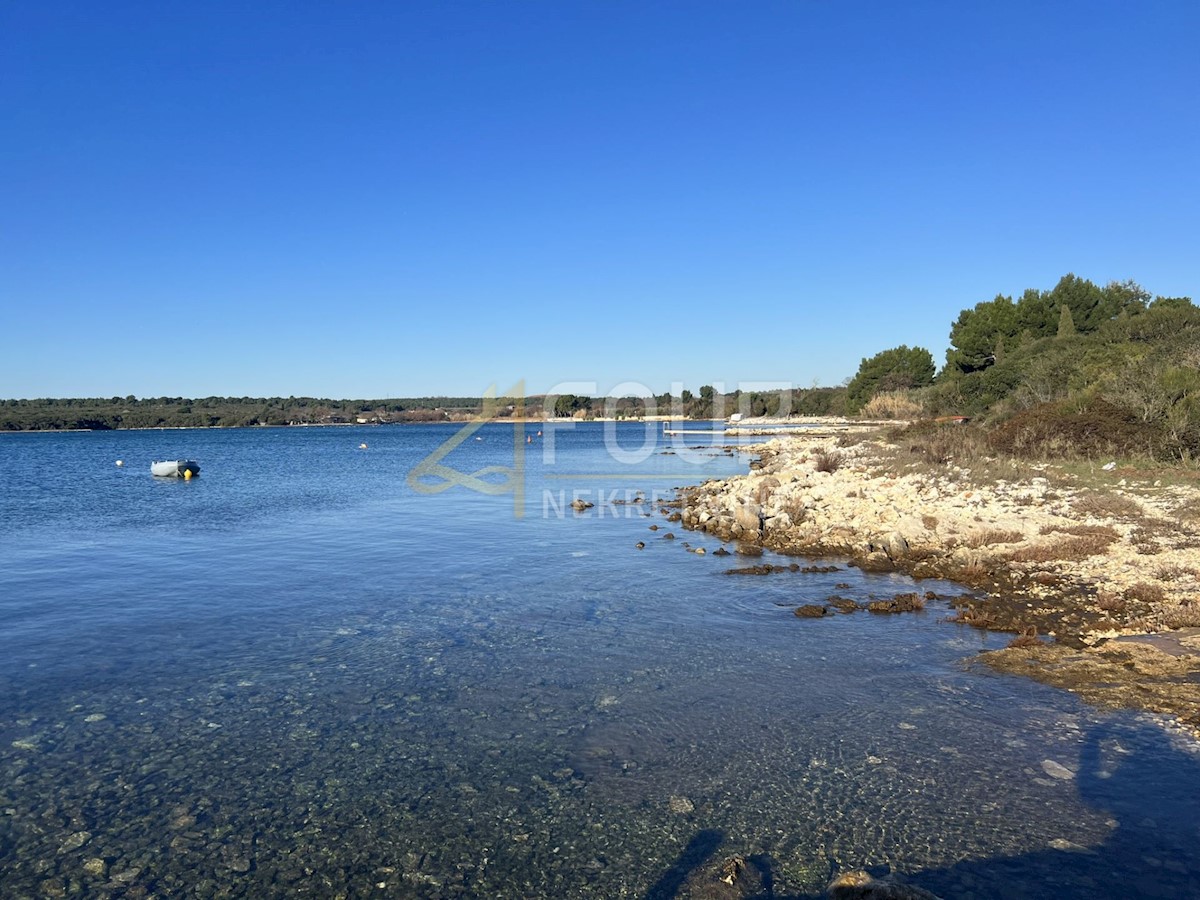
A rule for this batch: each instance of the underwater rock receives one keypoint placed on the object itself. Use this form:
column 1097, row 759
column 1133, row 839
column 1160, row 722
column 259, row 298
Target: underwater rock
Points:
column 861, row 886
column 1056, row 770
column 736, row 878
column 681, row 806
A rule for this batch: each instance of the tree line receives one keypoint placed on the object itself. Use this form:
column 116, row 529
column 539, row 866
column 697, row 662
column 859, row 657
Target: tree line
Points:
column 1072, row 370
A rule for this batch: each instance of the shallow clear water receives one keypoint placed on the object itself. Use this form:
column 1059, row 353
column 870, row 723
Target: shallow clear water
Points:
column 297, row 675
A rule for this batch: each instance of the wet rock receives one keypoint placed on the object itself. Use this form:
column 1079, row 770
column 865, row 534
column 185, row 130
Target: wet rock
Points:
column 641, row 545
column 861, row 886
column 842, row 604
column 721, row 551
column 75, row 841
column 748, row 550
column 810, row 611
column 581, row 505
column 1057, row 770
column 96, row 867
column 900, row 603
column 877, row 561
column 736, row 878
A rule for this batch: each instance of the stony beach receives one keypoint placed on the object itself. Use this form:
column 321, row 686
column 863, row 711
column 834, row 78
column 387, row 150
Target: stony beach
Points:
column 1095, row 570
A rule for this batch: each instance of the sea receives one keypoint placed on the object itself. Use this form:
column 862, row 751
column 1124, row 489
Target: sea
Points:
column 394, row 661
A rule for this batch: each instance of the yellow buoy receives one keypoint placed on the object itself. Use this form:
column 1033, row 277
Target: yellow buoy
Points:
column 187, row 474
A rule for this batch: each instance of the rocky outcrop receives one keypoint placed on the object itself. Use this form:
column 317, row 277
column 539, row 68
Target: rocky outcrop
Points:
column 1051, row 563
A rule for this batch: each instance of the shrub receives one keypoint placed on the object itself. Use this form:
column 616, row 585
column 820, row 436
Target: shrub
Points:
column 1055, row 430
column 828, row 460
column 1106, row 506
column 1185, row 615
column 1146, row 592
column 941, row 443
column 1068, row 549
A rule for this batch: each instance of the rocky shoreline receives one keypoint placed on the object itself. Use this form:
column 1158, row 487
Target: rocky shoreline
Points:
column 1099, row 579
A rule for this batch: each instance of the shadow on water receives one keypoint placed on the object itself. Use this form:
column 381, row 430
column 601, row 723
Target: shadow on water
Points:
column 693, row 857
column 1148, row 786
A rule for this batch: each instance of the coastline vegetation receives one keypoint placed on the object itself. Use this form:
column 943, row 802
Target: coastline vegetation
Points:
column 1075, row 372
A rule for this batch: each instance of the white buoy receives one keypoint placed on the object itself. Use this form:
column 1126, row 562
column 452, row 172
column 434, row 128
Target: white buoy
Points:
column 120, row 462
column 362, row 446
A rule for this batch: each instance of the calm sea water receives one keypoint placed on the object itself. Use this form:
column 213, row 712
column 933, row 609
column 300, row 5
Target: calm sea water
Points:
column 295, row 675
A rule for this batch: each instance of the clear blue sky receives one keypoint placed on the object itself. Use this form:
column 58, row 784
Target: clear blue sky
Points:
column 379, row 199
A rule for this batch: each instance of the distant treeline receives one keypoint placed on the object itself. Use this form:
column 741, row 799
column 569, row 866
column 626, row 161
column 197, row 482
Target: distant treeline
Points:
column 108, row 413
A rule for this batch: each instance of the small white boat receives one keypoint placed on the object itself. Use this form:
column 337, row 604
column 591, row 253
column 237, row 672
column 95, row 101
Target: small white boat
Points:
column 174, row 468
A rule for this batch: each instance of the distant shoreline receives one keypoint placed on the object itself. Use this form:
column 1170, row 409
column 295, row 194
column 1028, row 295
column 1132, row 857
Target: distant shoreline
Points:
column 743, row 424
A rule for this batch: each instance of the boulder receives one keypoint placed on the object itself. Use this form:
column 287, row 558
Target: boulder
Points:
column 895, row 546
column 749, row 517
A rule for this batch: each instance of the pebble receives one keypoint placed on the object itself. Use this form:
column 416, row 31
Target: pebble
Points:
column 75, row 841
column 96, row 866
column 681, row 805
column 1056, row 770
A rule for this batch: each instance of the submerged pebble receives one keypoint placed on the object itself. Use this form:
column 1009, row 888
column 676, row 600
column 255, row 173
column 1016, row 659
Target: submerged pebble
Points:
column 1056, row 770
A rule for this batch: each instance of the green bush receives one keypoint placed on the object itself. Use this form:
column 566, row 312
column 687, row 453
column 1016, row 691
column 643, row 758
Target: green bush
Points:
column 1060, row 430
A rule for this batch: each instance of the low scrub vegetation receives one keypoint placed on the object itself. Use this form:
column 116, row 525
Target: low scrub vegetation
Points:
column 1070, row 548
column 828, row 460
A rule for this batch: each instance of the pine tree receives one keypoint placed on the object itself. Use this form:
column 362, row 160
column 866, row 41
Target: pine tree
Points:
column 1066, row 324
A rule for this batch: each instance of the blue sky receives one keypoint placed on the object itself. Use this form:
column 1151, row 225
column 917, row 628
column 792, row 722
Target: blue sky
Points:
column 383, row 199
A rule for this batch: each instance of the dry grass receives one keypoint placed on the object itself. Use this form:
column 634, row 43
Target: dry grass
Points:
column 1106, row 506
column 992, row 536
column 930, row 522
column 1146, row 592
column 1027, row 638
column 1185, row 615
column 1175, row 573
column 1103, row 531
column 828, row 460
column 893, row 405
column 1065, row 549
column 1110, row 602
